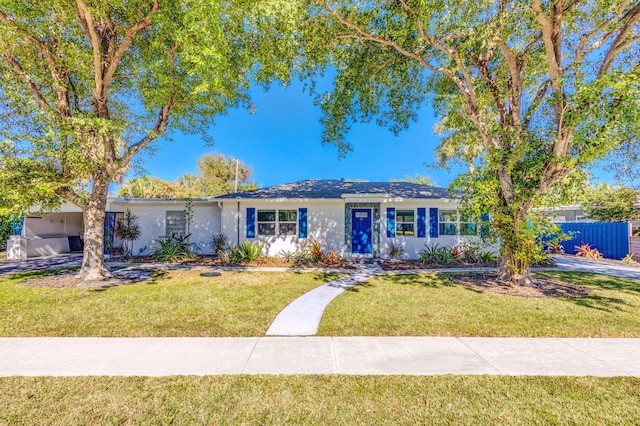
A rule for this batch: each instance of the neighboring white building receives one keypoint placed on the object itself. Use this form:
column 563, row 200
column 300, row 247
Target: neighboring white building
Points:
column 353, row 218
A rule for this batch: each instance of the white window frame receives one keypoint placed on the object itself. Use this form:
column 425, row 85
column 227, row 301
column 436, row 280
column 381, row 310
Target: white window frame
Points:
column 460, row 223
column 400, row 232
column 447, row 222
column 278, row 229
column 171, row 228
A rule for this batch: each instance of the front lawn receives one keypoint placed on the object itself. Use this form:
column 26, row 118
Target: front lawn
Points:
column 176, row 303
column 431, row 305
column 316, row 400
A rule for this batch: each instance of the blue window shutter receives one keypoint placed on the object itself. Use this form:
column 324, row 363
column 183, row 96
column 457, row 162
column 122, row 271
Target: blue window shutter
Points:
column 433, row 222
column 251, row 222
column 391, row 222
column 484, row 227
column 302, row 223
column 422, row 222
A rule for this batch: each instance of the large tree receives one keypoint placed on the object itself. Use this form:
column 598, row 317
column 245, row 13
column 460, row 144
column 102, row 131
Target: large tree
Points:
column 527, row 91
column 87, row 84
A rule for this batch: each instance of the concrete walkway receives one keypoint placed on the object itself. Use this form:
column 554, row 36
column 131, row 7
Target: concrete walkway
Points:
column 302, row 316
column 318, row 355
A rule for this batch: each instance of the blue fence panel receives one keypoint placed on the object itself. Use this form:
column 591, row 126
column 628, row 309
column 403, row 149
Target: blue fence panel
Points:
column 610, row 238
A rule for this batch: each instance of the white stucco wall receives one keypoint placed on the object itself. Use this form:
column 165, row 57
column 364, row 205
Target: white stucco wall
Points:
column 412, row 245
column 152, row 221
column 325, row 223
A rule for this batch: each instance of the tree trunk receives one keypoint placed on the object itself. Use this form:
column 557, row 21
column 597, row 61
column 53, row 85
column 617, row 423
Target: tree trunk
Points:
column 519, row 247
column 93, row 268
column 512, row 271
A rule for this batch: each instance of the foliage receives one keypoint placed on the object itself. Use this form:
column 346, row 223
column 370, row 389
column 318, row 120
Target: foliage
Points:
column 333, row 258
column 526, row 92
column 555, row 248
column 488, row 257
column 315, row 250
column 245, row 252
column 585, row 250
column 6, row 224
column 128, row 229
column 249, row 251
column 436, row 255
column 395, row 250
column 218, row 242
column 607, row 203
column 629, row 258
column 148, row 187
column 419, row 179
column 216, row 176
column 172, row 249
column 218, row 173
column 87, row 86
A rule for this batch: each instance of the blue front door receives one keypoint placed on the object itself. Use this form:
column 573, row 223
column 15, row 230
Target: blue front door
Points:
column 361, row 231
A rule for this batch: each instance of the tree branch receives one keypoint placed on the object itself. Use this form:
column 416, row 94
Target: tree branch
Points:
column 29, row 81
column 620, row 43
column 87, row 22
column 128, row 39
column 61, row 92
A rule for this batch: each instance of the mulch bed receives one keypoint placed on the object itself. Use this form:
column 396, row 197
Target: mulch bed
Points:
column 69, row 279
column 542, row 287
column 406, row 265
column 265, row 261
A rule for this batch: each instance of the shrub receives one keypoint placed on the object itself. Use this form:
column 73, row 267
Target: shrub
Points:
column 629, row 258
column 395, row 250
column 488, row 257
column 172, row 249
column 436, row 255
column 333, row 258
column 218, row 242
column 585, row 250
column 128, row 229
column 249, row 251
column 315, row 249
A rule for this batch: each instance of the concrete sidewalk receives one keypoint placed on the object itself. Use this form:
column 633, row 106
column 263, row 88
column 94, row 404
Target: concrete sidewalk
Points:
column 318, row 355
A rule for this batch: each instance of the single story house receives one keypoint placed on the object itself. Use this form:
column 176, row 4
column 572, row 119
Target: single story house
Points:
column 353, row 218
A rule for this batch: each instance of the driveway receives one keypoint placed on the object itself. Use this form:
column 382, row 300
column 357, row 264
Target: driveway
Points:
column 41, row 263
column 581, row 265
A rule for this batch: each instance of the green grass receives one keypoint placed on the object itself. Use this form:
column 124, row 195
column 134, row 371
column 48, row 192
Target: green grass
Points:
column 320, row 400
column 180, row 303
column 429, row 304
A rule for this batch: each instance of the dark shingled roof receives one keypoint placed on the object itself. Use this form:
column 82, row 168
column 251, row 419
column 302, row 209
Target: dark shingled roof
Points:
column 333, row 188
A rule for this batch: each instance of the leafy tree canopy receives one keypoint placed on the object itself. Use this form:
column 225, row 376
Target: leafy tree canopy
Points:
column 87, row 84
column 526, row 91
column 217, row 176
column 609, row 203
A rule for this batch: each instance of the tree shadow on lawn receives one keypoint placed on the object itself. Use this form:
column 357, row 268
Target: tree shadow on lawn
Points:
column 596, row 281
column 437, row 280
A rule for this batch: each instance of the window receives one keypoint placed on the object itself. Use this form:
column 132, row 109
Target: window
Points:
column 448, row 220
column 452, row 223
column 176, row 224
column 405, row 220
column 277, row 222
column 467, row 226
column 266, row 222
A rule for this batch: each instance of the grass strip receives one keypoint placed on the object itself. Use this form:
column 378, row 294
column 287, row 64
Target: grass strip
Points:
column 319, row 400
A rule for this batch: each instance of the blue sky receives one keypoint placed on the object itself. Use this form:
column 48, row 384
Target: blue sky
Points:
column 281, row 143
